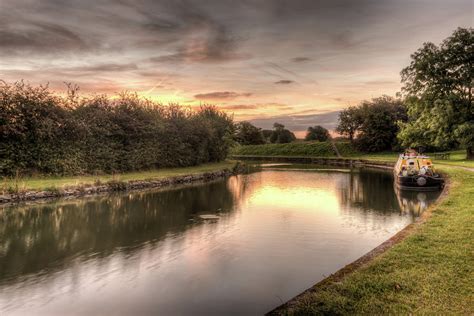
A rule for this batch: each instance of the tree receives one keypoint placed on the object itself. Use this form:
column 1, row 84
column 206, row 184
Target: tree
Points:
column 350, row 121
column 438, row 86
column 379, row 128
column 267, row 133
column 318, row 133
column 248, row 134
column 373, row 122
column 281, row 135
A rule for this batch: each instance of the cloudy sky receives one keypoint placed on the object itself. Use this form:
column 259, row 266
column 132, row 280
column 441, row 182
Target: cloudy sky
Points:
column 297, row 62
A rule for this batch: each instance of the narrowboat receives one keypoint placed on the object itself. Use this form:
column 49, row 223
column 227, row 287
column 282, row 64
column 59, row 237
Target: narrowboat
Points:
column 416, row 172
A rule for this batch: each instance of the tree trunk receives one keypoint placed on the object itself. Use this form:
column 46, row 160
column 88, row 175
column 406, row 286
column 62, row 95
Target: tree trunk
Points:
column 470, row 153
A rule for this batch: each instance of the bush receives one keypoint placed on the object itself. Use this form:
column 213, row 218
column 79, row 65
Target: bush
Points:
column 42, row 132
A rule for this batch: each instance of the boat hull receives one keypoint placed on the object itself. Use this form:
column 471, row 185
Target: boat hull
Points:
column 419, row 183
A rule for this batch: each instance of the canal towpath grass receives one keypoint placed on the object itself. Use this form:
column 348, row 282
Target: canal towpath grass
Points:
column 39, row 183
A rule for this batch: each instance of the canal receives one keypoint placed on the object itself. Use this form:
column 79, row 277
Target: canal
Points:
column 272, row 234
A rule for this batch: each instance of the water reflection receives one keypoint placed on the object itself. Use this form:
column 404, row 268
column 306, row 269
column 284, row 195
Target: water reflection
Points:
column 49, row 236
column 147, row 253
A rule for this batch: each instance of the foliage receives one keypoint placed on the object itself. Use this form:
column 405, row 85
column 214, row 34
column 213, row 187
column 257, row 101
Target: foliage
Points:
column 379, row 128
column 318, row 133
column 349, row 122
column 281, row 135
column 248, row 134
column 267, row 133
column 41, row 132
column 374, row 122
column 438, row 85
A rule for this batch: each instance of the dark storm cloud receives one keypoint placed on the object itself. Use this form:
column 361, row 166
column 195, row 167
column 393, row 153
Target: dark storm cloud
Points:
column 221, row 95
column 284, row 82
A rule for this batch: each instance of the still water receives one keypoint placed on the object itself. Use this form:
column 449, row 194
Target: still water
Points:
column 278, row 232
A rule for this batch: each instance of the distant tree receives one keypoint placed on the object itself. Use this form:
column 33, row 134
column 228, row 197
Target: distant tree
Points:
column 318, row 133
column 248, row 134
column 438, row 85
column 281, row 135
column 350, row 120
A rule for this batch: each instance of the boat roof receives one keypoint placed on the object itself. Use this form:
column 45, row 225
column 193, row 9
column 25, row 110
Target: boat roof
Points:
column 404, row 156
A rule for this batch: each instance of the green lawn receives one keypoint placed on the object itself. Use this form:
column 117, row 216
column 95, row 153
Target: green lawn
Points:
column 46, row 183
column 324, row 150
column 430, row 272
column 314, row 149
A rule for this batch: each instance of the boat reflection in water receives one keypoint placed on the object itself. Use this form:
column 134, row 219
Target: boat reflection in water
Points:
column 413, row 202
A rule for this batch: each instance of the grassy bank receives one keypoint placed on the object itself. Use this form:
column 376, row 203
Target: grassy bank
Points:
column 51, row 183
column 430, row 272
column 314, row 149
column 324, row 150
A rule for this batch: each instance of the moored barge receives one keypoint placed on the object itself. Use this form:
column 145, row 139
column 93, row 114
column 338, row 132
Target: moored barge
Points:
column 416, row 172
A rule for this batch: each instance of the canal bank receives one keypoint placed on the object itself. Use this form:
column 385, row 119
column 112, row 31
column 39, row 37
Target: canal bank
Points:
column 40, row 189
column 425, row 268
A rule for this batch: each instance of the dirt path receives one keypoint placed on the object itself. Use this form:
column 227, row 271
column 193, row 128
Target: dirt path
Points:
column 334, row 147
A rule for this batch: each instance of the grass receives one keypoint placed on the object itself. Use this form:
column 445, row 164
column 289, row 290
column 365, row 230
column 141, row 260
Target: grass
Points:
column 314, row 149
column 430, row 272
column 54, row 183
column 324, row 150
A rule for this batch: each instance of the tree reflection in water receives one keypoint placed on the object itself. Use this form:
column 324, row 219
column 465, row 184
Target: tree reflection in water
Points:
column 44, row 237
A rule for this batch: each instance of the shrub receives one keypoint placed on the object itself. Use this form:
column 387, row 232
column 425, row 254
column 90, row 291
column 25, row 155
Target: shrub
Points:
column 43, row 132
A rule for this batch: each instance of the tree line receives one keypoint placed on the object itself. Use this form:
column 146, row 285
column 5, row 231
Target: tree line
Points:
column 434, row 110
column 46, row 133
column 41, row 132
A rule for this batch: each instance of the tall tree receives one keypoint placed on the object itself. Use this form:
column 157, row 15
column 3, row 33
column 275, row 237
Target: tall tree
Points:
column 379, row 128
column 438, row 85
column 373, row 122
column 318, row 133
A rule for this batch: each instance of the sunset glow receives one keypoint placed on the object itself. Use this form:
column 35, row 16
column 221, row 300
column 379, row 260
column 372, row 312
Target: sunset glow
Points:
column 296, row 62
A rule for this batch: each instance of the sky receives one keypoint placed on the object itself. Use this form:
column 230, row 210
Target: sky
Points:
column 298, row 62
